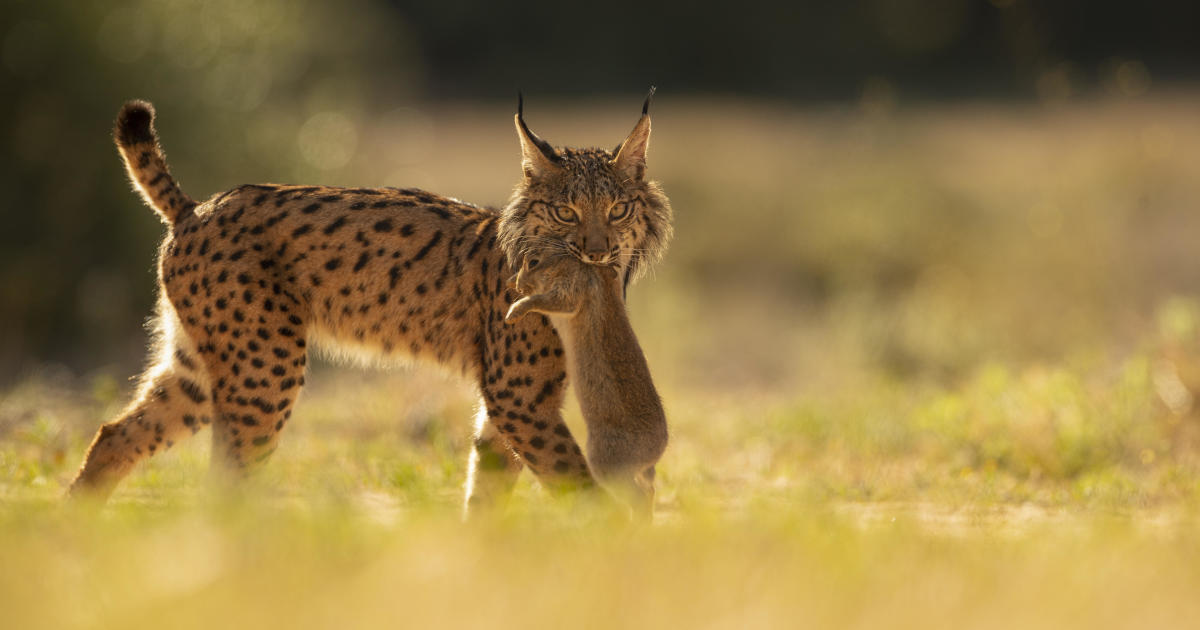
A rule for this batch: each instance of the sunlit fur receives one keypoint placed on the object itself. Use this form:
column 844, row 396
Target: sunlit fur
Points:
column 589, row 183
column 253, row 276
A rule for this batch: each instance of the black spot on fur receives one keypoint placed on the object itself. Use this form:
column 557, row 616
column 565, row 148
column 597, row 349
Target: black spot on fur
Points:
column 192, row 390
column 424, row 251
column 335, row 224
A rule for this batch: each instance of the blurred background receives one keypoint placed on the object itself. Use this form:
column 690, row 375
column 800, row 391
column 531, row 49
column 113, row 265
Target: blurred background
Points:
column 929, row 332
column 881, row 191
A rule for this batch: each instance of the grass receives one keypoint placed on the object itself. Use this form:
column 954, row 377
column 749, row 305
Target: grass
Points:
column 929, row 368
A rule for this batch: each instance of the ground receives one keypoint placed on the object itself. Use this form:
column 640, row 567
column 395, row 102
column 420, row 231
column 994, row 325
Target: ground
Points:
column 924, row 368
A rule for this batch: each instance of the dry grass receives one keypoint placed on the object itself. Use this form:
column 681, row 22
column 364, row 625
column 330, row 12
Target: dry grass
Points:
column 924, row 368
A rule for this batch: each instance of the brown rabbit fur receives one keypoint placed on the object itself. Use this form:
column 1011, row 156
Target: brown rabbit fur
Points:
column 627, row 428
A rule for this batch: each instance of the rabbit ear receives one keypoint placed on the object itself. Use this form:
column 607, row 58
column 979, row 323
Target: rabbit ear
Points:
column 631, row 155
column 537, row 156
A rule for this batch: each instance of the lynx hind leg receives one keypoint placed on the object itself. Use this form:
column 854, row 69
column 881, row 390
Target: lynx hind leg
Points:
column 173, row 402
column 546, row 303
column 258, row 378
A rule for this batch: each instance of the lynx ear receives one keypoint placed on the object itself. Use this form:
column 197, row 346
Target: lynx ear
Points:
column 537, row 156
column 631, row 155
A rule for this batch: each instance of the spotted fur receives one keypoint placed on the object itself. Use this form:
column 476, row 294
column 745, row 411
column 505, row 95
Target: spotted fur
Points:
column 251, row 278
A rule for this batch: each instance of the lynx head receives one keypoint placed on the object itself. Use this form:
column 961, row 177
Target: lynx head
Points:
column 594, row 204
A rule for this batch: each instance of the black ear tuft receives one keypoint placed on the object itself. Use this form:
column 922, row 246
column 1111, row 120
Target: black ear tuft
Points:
column 646, row 105
column 542, row 146
column 135, row 123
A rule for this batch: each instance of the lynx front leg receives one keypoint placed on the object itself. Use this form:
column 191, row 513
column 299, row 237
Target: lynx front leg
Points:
column 492, row 469
column 539, row 437
column 523, row 385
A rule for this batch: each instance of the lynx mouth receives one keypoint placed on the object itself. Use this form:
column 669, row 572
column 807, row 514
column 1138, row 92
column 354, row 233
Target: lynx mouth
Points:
column 607, row 261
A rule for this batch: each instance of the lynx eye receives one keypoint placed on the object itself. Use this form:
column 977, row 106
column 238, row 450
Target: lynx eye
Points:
column 564, row 214
column 620, row 211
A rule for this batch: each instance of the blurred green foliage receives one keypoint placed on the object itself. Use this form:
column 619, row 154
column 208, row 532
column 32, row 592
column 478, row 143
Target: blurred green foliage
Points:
column 818, row 50
column 356, row 565
column 236, row 80
column 361, row 92
column 1018, row 496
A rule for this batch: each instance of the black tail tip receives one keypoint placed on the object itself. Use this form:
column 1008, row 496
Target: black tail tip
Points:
column 135, row 123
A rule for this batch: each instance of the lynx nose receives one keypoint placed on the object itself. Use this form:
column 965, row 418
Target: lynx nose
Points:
column 595, row 251
column 595, row 257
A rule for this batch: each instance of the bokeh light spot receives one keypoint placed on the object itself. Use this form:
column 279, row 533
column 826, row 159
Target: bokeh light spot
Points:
column 238, row 83
column 327, row 140
column 1133, row 79
column 1056, row 83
